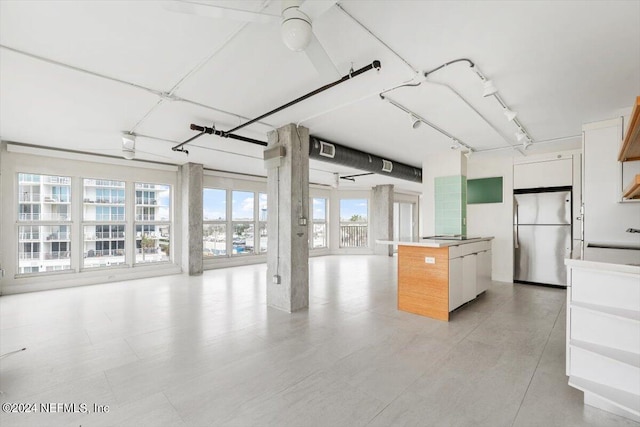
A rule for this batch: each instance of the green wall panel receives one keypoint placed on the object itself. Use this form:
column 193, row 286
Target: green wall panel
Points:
column 484, row 190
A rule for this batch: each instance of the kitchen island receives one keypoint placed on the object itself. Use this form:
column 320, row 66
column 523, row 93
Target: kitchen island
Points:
column 436, row 276
column 603, row 327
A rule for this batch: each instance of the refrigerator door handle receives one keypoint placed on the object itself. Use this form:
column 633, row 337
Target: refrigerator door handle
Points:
column 515, row 224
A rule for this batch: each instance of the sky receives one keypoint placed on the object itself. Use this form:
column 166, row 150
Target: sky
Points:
column 350, row 207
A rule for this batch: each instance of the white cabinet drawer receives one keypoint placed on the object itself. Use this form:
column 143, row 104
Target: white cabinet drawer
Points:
column 605, row 288
column 605, row 329
column 468, row 248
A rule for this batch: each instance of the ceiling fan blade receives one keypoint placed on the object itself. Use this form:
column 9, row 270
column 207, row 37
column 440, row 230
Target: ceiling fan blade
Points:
column 219, row 12
column 320, row 60
column 315, row 8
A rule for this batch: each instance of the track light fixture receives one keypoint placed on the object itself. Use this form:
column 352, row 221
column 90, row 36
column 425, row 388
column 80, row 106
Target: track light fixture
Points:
column 520, row 135
column 510, row 114
column 526, row 144
column 489, row 88
column 468, row 154
column 128, row 146
column 415, row 122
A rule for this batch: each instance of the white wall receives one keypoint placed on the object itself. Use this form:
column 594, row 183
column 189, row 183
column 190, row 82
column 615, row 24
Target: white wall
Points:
column 494, row 219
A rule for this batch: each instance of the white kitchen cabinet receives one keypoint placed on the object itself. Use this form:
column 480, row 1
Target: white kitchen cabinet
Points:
column 469, row 277
column 469, row 272
column 606, row 218
column 603, row 335
column 483, row 264
column 456, row 298
column 548, row 173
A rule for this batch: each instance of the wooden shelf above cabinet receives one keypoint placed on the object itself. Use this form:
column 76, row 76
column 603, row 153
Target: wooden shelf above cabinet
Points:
column 633, row 190
column 630, row 149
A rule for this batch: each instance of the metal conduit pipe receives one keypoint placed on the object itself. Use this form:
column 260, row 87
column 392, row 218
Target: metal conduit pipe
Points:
column 339, row 154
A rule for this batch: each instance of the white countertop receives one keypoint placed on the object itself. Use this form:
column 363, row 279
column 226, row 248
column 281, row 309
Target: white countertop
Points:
column 433, row 243
column 620, row 260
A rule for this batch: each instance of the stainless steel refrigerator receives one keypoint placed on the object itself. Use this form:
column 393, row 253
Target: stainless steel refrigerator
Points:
column 542, row 235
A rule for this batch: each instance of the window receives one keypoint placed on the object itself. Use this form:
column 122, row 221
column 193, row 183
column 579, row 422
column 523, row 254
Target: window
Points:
column 242, row 214
column 318, row 223
column 44, row 223
column 354, row 230
column 103, row 223
column 230, row 221
column 214, row 214
column 262, row 217
column 153, row 226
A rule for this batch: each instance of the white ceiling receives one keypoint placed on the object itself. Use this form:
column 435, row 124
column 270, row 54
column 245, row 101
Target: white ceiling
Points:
column 558, row 63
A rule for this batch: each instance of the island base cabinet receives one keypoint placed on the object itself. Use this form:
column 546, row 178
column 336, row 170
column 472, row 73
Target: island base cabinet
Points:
column 483, row 262
column 456, row 298
column 462, row 280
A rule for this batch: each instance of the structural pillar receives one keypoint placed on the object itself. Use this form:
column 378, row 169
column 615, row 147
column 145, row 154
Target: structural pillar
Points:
column 191, row 175
column 287, row 217
column 382, row 218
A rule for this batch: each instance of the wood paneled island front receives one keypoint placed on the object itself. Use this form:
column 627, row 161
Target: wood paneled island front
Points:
column 437, row 276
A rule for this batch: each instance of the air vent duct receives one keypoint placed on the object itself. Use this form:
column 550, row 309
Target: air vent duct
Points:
column 345, row 156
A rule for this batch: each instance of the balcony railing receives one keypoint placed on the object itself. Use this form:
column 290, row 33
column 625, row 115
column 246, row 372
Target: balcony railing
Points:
column 29, row 255
column 145, row 201
column 354, row 235
column 145, row 217
column 56, row 198
column 109, row 217
column 59, row 236
column 91, row 253
column 44, row 216
column 29, row 236
column 105, row 235
column 30, row 197
column 57, row 255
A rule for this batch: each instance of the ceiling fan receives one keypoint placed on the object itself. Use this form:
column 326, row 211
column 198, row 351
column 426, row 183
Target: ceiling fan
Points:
column 295, row 22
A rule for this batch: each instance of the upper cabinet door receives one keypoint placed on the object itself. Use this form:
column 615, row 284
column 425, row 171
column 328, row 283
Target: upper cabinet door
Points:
column 549, row 173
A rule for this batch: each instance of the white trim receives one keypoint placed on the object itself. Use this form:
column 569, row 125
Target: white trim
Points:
column 70, row 155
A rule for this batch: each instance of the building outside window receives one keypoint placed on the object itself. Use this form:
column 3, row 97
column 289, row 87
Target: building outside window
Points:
column 214, row 215
column 103, row 223
column 318, row 223
column 153, row 223
column 44, row 223
column 354, row 227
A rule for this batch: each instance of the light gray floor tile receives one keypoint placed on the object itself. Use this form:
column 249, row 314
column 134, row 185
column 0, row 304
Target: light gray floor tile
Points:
column 206, row 350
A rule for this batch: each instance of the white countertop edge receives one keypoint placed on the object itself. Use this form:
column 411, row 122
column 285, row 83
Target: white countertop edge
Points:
column 604, row 266
column 433, row 243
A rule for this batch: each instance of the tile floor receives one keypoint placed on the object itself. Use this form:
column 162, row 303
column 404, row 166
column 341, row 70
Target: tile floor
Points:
column 206, row 351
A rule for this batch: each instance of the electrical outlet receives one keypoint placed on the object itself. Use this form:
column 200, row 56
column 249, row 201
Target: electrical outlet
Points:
column 302, row 221
column 276, row 279
column 429, row 260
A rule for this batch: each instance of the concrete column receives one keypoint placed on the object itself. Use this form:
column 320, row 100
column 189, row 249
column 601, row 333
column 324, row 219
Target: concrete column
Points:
column 191, row 175
column 287, row 211
column 382, row 218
